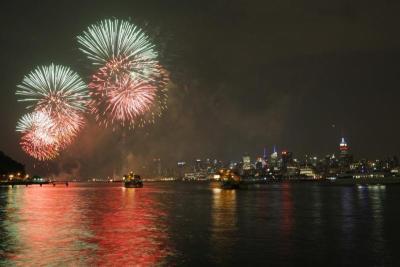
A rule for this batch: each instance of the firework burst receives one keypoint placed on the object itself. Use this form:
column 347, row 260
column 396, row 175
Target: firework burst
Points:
column 59, row 98
column 37, row 148
column 119, row 41
column 35, row 121
column 129, row 85
column 119, row 97
column 54, row 88
column 39, row 139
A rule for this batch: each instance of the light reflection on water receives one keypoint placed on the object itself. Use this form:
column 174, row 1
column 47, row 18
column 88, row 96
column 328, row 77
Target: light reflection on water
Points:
column 83, row 226
column 224, row 223
column 198, row 225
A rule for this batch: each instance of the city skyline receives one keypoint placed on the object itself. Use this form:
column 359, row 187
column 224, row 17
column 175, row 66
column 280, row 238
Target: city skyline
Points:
column 293, row 83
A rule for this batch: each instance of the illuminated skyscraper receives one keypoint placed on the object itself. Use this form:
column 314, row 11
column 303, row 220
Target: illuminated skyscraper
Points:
column 343, row 147
column 345, row 158
column 274, row 159
column 246, row 163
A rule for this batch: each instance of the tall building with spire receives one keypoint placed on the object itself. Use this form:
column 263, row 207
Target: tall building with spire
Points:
column 274, row 159
column 345, row 158
column 343, row 147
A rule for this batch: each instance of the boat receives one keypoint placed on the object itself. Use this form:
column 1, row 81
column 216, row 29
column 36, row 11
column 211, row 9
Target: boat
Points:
column 133, row 181
column 229, row 179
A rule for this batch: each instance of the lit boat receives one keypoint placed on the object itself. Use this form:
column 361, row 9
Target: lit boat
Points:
column 133, row 181
column 229, row 179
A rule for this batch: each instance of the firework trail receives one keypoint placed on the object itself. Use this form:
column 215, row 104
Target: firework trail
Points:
column 129, row 86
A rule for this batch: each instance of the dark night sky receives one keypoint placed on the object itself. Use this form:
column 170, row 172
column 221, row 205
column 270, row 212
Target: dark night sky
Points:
column 246, row 74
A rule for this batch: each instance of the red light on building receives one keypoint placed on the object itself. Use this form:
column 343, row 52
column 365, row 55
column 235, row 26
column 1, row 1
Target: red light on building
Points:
column 343, row 145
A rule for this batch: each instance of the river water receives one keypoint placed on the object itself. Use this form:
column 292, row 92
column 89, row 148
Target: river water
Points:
column 198, row 224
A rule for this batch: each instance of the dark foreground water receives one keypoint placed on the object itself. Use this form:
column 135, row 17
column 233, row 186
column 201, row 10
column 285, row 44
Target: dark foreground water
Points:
column 196, row 224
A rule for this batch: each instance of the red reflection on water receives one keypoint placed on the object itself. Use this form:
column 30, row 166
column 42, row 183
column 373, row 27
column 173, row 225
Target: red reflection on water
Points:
column 286, row 222
column 102, row 225
column 39, row 231
column 287, row 209
column 130, row 232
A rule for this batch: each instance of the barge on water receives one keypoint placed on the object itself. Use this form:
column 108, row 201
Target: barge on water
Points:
column 133, row 181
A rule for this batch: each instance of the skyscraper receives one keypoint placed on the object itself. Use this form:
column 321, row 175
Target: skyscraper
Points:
column 343, row 147
column 274, row 159
column 246, row 162
column 345, row 158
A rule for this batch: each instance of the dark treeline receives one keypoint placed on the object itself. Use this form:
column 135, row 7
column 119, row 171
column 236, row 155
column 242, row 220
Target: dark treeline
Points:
column 9, row 166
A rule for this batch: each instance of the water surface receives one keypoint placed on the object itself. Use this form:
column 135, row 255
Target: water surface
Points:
column 198, row 224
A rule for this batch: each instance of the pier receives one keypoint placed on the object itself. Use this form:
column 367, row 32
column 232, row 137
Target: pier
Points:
column 28, row 183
